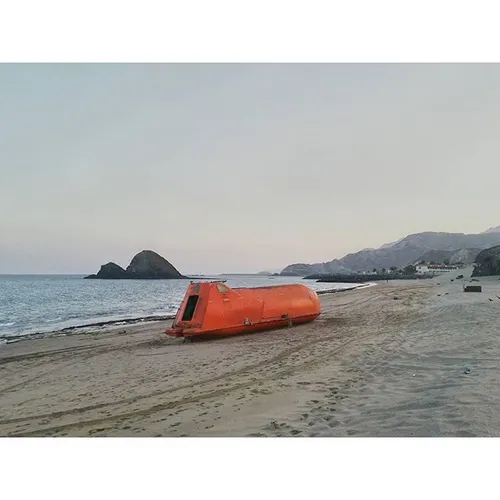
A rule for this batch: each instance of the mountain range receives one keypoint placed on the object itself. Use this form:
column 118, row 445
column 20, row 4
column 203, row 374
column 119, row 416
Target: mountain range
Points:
column 428, row 246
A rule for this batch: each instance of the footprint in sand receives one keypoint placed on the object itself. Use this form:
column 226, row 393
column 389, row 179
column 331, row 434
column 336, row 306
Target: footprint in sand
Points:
column 317, row 409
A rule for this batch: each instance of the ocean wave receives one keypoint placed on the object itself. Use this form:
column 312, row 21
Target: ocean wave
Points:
column 7, row 324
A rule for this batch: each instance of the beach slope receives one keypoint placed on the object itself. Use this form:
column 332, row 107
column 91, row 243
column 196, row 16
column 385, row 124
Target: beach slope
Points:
column 380, row 361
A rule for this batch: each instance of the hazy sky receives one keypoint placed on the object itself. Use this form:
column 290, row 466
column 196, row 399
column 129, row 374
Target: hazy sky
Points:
column 240, row 167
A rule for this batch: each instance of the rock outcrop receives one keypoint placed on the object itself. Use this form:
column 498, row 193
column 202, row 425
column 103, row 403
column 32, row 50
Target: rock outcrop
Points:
column 488, row 262
column 149, row 265
column 364, row 278
column 146, row 265
column 109, row 271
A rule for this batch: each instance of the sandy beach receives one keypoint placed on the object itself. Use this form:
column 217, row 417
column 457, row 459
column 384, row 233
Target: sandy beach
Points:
column 406, row 358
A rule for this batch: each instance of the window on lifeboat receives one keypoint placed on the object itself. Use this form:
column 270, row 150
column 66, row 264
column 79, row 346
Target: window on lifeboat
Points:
column 222, row 288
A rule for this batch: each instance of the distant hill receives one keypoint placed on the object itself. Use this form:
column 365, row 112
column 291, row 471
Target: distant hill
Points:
column 464, row 255
column 492, row 230
column 406, row 251
column 388, row 245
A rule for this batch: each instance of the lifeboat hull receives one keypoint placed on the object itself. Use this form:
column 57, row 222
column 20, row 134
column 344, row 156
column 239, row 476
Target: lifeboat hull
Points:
column 215, row 310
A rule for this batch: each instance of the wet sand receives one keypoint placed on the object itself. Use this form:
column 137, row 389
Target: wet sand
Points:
column 370, row 366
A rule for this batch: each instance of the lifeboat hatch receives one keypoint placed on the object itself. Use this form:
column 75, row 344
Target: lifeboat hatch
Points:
column 190, row 308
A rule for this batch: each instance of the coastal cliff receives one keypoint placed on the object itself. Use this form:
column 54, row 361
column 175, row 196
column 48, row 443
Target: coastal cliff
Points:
column 145, row 265
column 487, row 262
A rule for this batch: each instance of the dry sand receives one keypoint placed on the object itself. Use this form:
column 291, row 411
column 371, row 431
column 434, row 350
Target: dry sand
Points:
column 370, row 366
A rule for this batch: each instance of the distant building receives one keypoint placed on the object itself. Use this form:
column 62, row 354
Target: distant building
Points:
column 435, row 268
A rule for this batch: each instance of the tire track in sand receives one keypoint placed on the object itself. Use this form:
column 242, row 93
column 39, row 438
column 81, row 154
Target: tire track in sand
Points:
column 210, row 394
column 156, row 393
column 272, row 374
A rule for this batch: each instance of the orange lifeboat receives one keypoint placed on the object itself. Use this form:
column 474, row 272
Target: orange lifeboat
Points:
column 215, row 309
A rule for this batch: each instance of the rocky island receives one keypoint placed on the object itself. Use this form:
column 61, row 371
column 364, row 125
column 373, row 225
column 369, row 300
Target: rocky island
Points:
column 146, row 265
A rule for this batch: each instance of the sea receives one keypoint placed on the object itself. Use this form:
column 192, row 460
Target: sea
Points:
column 39, row 305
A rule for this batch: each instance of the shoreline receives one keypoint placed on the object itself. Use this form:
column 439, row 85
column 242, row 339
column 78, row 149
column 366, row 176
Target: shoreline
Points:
column 92, row 328
column 339, row 290
column 80, row 329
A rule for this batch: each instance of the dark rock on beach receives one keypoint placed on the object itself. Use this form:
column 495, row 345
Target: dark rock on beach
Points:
column 145, row 265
